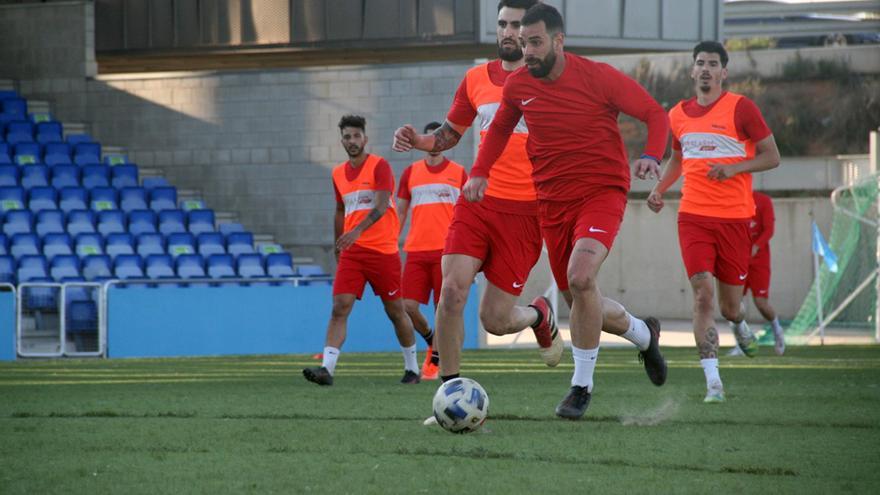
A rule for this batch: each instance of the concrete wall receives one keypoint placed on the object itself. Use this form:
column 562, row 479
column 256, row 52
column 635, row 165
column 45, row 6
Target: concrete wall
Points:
column 49, row 42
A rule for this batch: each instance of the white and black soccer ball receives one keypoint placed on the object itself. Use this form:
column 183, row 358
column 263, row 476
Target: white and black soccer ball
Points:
column 461, row 405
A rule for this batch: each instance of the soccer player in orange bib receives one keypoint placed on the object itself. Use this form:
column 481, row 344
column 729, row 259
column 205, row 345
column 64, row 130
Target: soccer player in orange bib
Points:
column 581, row 176
column 719, row 140
column 367, row 230
column 429, row 187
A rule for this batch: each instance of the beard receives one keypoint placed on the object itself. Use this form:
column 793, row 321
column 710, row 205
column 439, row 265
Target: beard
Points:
column 544, row 66
column 354, row 151
column 510, row 54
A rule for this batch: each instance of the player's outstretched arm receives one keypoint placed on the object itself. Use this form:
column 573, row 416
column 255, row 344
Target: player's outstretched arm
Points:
column 669, row 176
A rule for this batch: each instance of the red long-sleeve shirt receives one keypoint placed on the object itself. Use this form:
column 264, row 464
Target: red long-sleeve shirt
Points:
column 574, row 139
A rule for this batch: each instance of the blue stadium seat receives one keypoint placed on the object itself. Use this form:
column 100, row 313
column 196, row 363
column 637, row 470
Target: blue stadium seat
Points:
column 150, row 243
column 119, row 244
column 97, row 268
column 309, row 270
column 133, row 198
column 221, row 266
column 81, row 312
column 159, row 266
column 24, row 245
column 49, row 132
column 57, row 244
column 18, row 222
column 10, row 175
column 34, row 176
column 88, row 244
column 86, row 153
column 172, row 221
column 192, row 204
column 7, row 269
column 23, row 160
column 211, row 243
column 4, row 245
column 200, row 221
column 151, row 183
column 279, row 265
column 111, row 222
column 65, row 268
column 124, row 175
column 115, row 159
column 240, row 243
column 267, row 248
column 75, row 139
column 73, row 198
column 5, row 154
column 49, row 222
column 190, row 266
column 34, row 268
column 250, row 266
column 95, row 176
column 15, row 107
column 28, row 149
column 81, row 222
column 163, row 198
column 141, row 222
column 103, row 198
column 181, row 243
column 42, row 198
column 57, row 154
column 20, row 131
column 227, row 228
column 128, row 266
column 65, row 176
column 10, row 195
column 40, row 117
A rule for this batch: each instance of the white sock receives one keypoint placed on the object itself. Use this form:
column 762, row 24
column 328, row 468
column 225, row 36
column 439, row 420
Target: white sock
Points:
column 775, row 324
column 584, row 364
column 710, row 369
column 409, row 358
column 331, row 354
column 638, row 333
column 741, row 328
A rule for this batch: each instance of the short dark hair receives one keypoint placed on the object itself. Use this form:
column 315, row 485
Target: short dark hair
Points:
column 547, row 13
column 352, row 121
column 430, row 126
column 516, row 4
column 712, row 47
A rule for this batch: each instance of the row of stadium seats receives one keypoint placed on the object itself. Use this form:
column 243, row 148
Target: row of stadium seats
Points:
column 56, row 153
column 61, row 176
column 106, row 222
column 208, row 243
column 97, row 199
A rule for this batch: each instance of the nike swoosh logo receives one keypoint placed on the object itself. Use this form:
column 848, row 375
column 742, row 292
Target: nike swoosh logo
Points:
column 526, row 102
column 393, row 292
column 594, row 229
column 743, row 277
column 517, row 286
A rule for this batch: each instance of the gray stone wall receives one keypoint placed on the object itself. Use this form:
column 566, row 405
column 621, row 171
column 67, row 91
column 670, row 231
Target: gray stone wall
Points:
column 53, row 42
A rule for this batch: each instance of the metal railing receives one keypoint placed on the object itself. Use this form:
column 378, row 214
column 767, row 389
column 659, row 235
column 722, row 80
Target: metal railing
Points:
column 773, row 19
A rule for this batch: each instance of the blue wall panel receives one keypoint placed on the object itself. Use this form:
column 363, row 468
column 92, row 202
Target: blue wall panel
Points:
column 7, row 326
column 202, row 321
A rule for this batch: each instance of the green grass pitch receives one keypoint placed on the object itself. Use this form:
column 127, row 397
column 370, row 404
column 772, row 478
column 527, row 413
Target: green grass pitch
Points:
column 808, row 422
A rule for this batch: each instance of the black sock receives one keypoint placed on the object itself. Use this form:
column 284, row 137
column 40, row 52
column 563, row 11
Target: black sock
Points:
column 450, row 377
column 540, row 317
column 429, row 339
column 435, row 357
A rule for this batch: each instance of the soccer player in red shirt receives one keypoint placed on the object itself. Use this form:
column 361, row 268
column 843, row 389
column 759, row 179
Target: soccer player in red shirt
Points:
column 719, row 140
column 761, row 229
column 367, row 229
column 430, row 186
column 570, row 106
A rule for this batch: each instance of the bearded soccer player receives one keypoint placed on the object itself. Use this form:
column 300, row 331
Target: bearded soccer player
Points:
column 366, row 229
column 430, row 186
column 581, row 174
column 719, row 140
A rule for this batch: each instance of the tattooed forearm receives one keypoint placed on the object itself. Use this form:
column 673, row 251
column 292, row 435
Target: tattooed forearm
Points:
column 445, row 137
column 708, row 346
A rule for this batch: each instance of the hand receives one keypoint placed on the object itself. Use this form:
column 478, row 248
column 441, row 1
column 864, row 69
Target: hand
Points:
column 655, row 201
column 645, row 168
column 404, row 138
column 474, row 188
column 720, row 172
column 346, row 240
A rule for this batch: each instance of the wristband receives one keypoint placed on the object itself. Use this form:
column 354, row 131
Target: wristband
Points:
column 652, row 157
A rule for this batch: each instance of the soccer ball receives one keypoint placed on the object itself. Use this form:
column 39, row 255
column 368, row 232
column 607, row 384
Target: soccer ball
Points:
column 461, row 405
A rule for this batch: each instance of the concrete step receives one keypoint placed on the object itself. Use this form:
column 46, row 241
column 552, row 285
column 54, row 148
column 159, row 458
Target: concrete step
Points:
column 114, row 150
column 75, row 128
column 152, row 172
column 185, row 194
column 225, row 217
column 263, row 238
column 7, row 84
column 39, row 106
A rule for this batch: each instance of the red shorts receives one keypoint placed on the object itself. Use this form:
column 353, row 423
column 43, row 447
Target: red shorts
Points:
column 358, row 265
column 596, row 216
column 421, row 275
column 758, row 280
column 508, row 244
column 721, row 248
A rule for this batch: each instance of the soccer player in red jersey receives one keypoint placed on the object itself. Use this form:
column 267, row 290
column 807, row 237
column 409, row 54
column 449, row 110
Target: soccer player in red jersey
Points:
column 430, row 186
column 719, row 140
column 761, row 229
column 367, row 230
column 581, row 174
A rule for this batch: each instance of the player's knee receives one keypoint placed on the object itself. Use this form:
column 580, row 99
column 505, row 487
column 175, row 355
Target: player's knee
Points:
column 452, row 297
column 704, row 301
column 581, row 282
column 730, row 311
column 341, row 309
column 411, row 306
